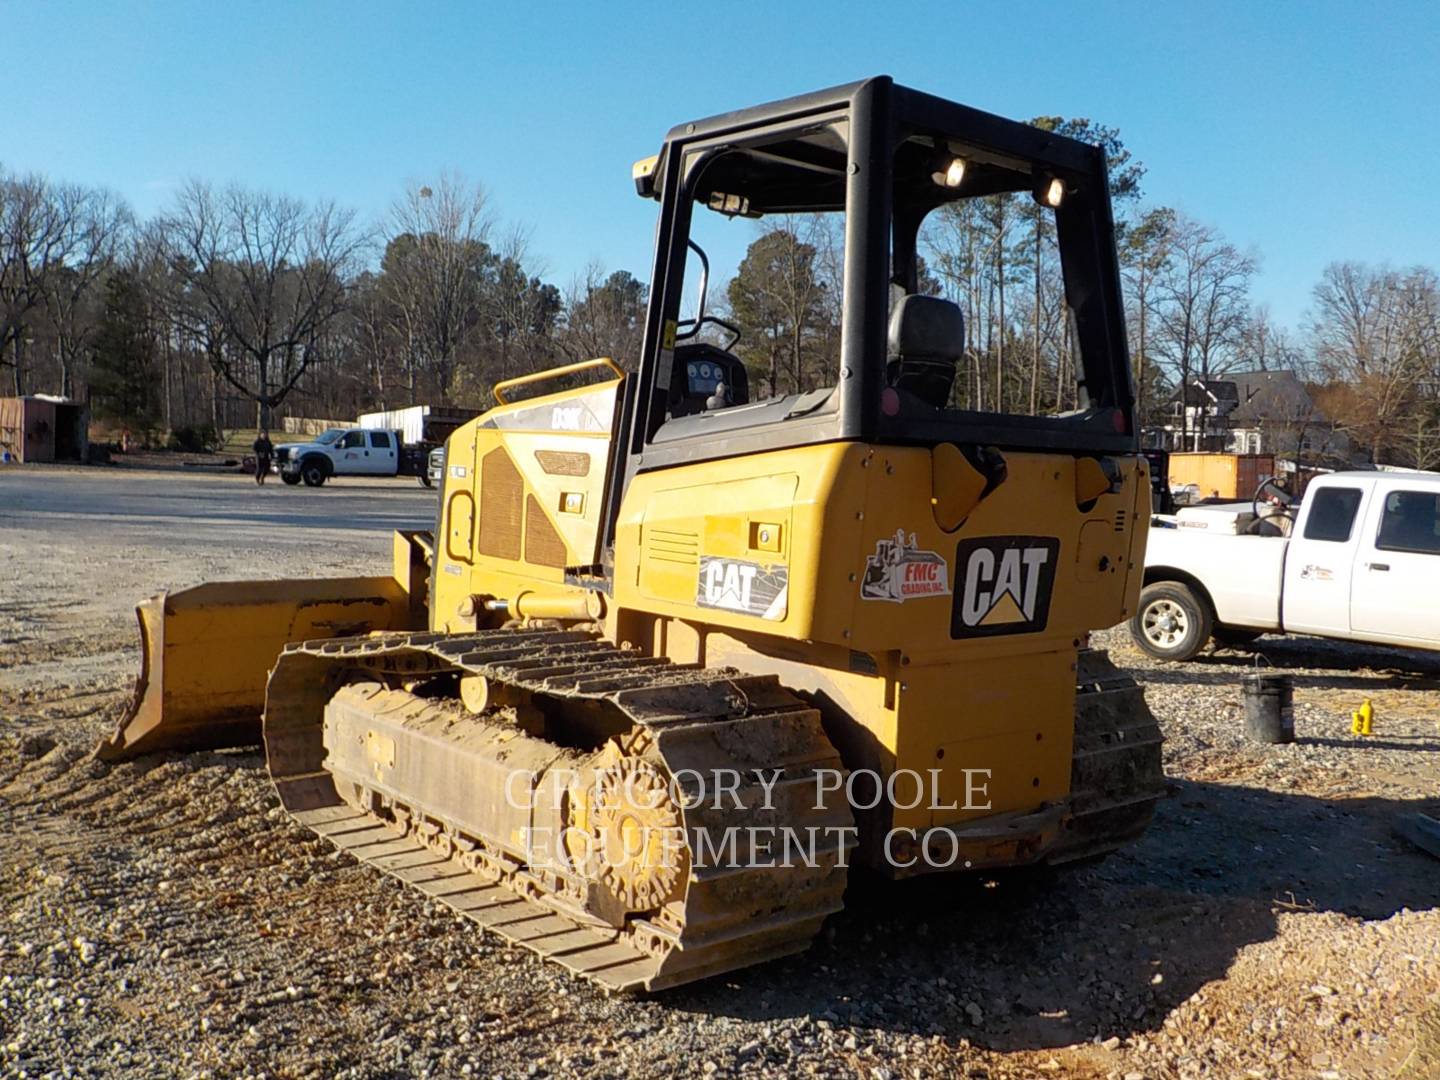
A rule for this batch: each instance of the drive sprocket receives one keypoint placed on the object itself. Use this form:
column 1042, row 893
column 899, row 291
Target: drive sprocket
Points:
column 626, row 831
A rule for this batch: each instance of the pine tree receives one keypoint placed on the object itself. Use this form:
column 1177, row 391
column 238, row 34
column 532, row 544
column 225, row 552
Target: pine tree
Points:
column 776, row 296
column 124, row 383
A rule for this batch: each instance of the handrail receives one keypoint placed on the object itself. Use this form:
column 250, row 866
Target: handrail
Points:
column 553, row 373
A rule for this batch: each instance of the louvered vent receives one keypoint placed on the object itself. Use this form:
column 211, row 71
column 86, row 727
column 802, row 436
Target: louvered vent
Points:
column 672, row 546
column 502, row 495
column 1119, row 521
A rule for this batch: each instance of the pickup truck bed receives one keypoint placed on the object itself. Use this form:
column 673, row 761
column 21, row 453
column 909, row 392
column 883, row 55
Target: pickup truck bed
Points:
column 1241, row 575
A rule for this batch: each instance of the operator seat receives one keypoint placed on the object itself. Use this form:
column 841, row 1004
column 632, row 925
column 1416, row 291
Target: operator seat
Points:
column 926, row 342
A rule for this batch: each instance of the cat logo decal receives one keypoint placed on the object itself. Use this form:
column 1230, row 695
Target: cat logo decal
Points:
column 1005, row 585
column 747, row 587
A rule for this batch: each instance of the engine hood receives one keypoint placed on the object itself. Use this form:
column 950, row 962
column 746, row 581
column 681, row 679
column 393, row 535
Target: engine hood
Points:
column 295, row 450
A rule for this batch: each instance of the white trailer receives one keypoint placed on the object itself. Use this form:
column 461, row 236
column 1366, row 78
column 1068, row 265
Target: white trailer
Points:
column 409, row 421
column 418, row 425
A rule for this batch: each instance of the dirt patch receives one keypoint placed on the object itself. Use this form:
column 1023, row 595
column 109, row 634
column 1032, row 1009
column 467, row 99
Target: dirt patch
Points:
column 164, row 917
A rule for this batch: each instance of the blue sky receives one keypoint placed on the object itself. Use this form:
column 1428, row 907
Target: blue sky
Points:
column 1306, row 131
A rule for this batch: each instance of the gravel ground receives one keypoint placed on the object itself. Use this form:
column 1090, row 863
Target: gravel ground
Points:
column 162, row 917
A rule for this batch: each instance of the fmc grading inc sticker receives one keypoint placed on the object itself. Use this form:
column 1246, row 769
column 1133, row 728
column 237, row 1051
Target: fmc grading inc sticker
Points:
column 900, row 571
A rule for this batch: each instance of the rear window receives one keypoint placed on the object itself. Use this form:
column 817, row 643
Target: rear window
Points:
column 1410, row 522
column 1332, row 514
column 380, row 439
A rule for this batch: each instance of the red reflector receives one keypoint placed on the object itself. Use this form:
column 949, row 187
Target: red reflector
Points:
column 1119, row 418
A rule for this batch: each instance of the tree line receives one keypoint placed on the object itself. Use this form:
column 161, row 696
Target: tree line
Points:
column 1368, row 348
column 232, row 306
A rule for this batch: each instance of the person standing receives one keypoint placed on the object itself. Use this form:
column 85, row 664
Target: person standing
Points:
column 264, row 450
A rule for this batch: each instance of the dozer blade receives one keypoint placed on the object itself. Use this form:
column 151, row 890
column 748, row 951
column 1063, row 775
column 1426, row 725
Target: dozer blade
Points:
column 207, row 651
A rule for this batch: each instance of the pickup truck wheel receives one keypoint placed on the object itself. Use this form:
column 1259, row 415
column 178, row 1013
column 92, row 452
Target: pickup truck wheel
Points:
column 291, row 478
column 1172, row 623
column 313, row 473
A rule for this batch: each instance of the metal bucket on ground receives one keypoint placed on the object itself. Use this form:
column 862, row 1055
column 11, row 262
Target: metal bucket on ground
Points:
column 1269, row 708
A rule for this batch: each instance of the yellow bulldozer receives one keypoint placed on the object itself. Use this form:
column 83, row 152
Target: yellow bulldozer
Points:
column 688, row 641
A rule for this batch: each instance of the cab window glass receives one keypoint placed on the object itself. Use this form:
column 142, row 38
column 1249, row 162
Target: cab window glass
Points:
column 990, row 248
column 1410, row 522
column 352, row 440
column 380, row 440
column 1332, row 514
column 761, row 292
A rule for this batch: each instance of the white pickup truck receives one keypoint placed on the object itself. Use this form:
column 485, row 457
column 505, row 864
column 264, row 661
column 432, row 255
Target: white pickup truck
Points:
column 345, row 452
column 1361, row 562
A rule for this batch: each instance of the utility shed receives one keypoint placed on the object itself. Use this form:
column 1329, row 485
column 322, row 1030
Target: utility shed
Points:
column 39, row 427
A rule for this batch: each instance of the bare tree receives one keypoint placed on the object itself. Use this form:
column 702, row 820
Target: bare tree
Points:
column 1203, row 304
column 270, row 273
column 996, row 257
column 1267, row 346
column 1145, row 255
column 520, row 309
column 1375, row 334
column 373, row 334
column 435, row 268
column 1420, row 439
column 604, row 316
column 954, row 237
column 146, row 255
column 41, row 232
column 98, row 222
column 999, row 215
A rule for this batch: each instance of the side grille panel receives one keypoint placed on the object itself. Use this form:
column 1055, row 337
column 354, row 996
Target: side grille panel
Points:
column 501, row 498
column 543, row 545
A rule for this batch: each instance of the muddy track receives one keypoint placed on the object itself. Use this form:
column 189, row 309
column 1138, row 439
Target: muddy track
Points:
column 693, row 722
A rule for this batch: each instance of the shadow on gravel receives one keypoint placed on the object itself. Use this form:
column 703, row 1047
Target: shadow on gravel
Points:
column 1040, row 961
column 1217, row 674
column 1368, row 743
column 1355, row 663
